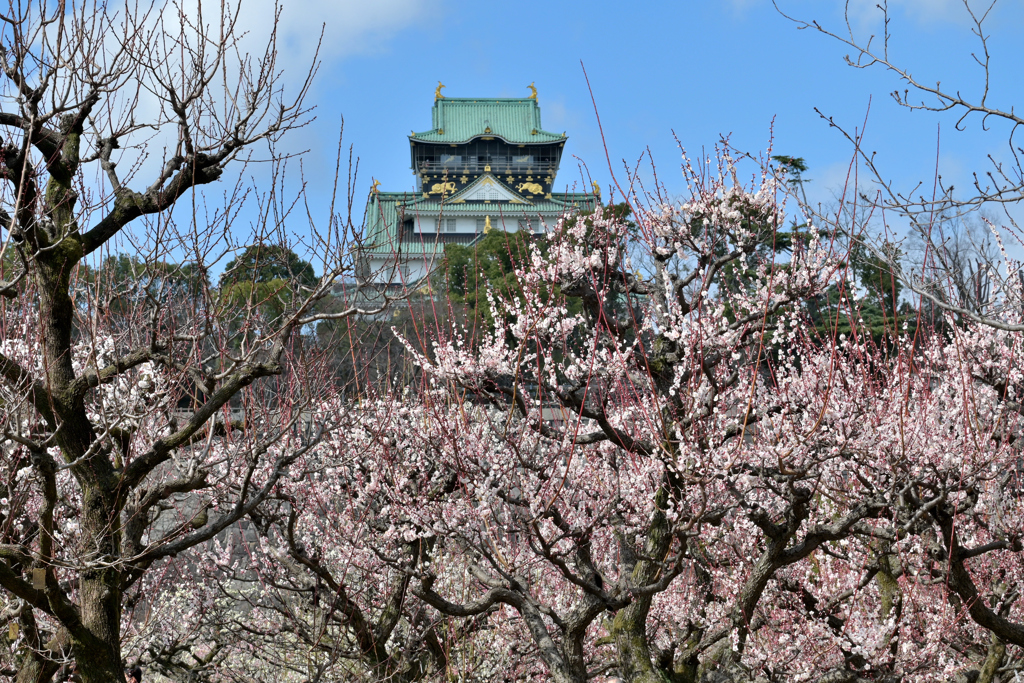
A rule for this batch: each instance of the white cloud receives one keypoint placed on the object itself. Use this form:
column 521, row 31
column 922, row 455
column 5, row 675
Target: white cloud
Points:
column 350, row 26
column 864, row 14
column 740, row 7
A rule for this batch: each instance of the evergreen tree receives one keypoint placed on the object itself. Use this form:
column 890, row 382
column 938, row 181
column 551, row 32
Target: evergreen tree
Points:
column 268, row 277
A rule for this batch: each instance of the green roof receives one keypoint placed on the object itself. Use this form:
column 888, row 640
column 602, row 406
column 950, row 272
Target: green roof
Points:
column 381, row 215
column 459, row 120
column 384, row 208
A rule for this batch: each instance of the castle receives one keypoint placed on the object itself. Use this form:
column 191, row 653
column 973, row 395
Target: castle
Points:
column 485, row 164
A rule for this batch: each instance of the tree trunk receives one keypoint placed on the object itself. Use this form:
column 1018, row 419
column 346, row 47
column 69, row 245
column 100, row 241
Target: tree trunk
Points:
column 96, row 640
column 99, row 653
column 629, row 627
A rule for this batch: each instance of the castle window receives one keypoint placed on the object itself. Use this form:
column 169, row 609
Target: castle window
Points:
column 446, row 224
column 480, row 223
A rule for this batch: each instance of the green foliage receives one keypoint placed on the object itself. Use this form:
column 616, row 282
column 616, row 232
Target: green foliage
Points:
column 795, row 166
column 123, row 280
column 267, row 262
column 880, row 306
column 469, row 270
column 621, row 212
column 267, row 276
column 124, row 269
column 490, row 262
column 875, row 274
column 769, row 241
column 873, row 308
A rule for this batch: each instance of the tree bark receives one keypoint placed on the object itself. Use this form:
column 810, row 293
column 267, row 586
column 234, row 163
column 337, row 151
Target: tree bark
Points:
column 96, row 642
column 629, row 627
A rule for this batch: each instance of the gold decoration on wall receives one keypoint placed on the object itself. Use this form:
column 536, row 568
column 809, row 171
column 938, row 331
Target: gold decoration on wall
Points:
column 463, row 179
column 442, row 188
column 437, row 93
column 533, row 91
column 509, row 179
column 531, row 187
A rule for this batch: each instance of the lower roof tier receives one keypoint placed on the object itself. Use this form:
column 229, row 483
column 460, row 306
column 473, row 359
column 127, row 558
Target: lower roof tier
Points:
column 386, row 212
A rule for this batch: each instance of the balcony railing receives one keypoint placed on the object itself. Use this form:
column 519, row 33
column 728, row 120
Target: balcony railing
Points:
column 442, row 238
column 496, row 167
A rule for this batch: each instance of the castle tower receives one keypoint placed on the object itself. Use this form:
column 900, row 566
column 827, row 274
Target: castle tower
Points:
column 484, row 162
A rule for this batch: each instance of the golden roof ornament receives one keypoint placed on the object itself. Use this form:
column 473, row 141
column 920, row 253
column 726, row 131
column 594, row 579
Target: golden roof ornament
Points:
column 597, row 188
column 376, row 184
column 487, row 224
column 533, row 91
column 437, row 93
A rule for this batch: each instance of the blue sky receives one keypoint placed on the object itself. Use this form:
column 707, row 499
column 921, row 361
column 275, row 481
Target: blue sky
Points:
column 700, row 69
